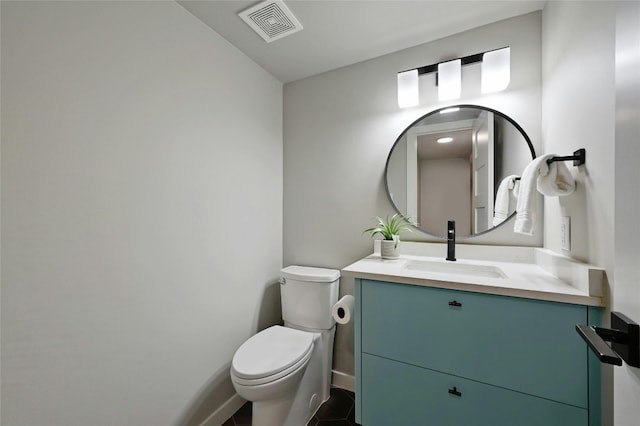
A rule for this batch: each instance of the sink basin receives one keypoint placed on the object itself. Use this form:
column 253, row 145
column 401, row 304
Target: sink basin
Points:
column 455, row 268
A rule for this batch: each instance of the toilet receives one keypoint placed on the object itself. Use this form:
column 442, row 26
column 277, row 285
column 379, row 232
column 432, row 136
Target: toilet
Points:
column 286, row 371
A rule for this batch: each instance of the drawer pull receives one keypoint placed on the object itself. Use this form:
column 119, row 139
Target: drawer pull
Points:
column 455, row 392
column 455, row 303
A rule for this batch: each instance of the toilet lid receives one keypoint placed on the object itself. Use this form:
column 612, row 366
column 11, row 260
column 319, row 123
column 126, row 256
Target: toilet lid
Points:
column 271, row 351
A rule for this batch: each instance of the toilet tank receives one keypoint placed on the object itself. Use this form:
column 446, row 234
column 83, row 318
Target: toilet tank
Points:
column 308, row 295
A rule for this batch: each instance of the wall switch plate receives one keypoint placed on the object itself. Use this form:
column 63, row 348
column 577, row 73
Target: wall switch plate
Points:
column 565, row 233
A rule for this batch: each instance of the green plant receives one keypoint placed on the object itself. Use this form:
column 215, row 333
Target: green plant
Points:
column 390, row 229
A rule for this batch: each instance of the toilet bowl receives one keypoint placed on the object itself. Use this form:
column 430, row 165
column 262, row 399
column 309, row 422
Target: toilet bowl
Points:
column 280, row 371
column 271, row 364
column 286, row 371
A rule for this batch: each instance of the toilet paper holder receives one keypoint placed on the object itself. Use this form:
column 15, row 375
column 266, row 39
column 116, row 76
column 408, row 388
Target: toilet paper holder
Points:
column 624, row 336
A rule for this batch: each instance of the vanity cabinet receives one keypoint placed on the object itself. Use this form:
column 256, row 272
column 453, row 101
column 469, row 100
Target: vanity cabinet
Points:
column 435, row 356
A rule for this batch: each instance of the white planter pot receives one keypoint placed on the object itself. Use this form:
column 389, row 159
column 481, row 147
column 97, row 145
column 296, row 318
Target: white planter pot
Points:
column 388, row 249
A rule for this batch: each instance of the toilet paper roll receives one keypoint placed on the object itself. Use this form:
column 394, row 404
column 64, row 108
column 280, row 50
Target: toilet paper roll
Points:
column 343, row 309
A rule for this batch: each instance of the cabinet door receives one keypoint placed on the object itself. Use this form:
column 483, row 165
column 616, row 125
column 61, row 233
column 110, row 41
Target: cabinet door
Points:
column 394, row 393
column 526, row 345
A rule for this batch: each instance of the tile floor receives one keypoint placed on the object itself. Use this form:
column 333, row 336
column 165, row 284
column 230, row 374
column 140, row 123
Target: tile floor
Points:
column 337, row 411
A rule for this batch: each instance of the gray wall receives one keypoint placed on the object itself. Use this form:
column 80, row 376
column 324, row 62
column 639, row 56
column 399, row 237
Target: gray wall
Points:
column 141, row 212
column 579, row 47
column 339, row 127
column 626, row 290
column 455, row 197
column 591, row 55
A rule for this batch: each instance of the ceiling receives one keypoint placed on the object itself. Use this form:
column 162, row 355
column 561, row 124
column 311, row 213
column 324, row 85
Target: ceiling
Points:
column 337, row 33
column 460, row 147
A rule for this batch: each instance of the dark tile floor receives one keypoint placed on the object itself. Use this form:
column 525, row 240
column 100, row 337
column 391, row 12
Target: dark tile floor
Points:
column 339, row 410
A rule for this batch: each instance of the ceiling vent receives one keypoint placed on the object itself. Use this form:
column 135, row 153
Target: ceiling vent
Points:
column 271, row 19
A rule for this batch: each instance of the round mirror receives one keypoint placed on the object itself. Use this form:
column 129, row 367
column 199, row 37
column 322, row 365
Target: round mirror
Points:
column 449, row 165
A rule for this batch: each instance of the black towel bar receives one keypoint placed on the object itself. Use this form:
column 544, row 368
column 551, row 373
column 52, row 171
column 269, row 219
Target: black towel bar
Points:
column 579, row 157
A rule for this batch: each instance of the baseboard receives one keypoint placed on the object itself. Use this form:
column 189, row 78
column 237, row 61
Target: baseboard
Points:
column 225, row 411
column 343, row 381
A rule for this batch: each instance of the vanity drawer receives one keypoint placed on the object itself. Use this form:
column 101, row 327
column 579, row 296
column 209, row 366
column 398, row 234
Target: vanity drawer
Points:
column 525, row 345
column 394, row 393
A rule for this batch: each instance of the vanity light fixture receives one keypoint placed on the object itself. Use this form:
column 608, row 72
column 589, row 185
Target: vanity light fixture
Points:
column 496, row 70
column 445, row 139
column 408, row 90
column 496, row 74
column 449, row 80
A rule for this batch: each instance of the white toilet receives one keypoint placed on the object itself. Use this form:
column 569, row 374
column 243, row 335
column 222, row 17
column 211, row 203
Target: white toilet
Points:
column 286, row 371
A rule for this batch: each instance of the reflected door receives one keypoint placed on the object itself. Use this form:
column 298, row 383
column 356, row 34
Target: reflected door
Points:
column 482, row 165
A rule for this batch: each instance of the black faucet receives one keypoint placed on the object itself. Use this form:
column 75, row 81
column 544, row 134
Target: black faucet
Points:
column 451, row 240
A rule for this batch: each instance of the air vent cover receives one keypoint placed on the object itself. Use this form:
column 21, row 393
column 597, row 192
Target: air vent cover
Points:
column 271, row 19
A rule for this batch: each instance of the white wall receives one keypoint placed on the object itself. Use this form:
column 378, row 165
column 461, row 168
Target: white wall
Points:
column 626, row 289
column 141, row 211
column 339, row 127
column 590, row 100
column 578, row 112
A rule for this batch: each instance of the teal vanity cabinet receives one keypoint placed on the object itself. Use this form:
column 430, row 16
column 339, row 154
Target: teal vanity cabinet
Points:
column 436, row 356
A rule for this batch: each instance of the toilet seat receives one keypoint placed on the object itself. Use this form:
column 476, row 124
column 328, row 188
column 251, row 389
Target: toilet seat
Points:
column 271, row 354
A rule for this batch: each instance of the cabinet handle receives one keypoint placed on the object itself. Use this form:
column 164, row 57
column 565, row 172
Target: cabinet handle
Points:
column 455, row 303
column 455, row 392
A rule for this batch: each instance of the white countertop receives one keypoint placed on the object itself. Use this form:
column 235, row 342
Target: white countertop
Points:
column 534, row 275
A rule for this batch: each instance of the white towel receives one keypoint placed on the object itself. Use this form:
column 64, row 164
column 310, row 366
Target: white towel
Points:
column 558, row 181
column 549, row 179
column 528, row 195
column 507, row 187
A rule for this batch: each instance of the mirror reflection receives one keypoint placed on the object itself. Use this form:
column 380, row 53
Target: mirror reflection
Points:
column 449, row 164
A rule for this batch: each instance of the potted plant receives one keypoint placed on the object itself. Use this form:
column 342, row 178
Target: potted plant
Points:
column 390, row 230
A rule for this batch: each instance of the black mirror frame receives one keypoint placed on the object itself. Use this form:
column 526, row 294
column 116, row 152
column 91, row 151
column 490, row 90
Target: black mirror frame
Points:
column 436, row 111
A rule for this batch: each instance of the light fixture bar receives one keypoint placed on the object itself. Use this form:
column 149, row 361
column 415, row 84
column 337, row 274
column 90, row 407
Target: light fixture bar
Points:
column 466, row 60
column 495, row 76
